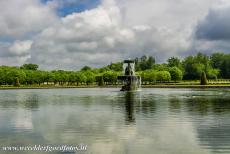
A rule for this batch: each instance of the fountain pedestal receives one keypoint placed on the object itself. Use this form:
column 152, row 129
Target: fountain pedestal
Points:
column 131, row 82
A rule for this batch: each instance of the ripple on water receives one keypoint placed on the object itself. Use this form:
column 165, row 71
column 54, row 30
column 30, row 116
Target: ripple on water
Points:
column 110, row 121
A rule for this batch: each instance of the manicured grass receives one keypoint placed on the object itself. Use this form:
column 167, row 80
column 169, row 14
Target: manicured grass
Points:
column 193, row 84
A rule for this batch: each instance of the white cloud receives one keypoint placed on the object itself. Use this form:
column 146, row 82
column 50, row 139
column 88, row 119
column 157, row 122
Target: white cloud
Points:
column 104, row 32
column 79, row 39
column 21, row 47
column 114, row 30
column 18, row 18
column 20, row 22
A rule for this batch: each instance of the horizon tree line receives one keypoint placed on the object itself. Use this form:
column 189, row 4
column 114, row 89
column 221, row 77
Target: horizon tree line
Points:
column 215, row 66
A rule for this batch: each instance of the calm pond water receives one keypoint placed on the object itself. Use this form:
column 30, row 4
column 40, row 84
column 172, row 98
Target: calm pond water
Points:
column 159, row 121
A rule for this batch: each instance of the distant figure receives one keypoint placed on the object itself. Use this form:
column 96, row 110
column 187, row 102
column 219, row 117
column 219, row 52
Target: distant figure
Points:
column 128, row 70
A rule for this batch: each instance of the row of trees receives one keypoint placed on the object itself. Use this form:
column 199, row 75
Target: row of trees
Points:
column 215, row 66
column 29, row 74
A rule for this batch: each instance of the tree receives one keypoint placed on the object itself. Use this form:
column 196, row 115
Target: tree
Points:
column 30, row 77
column 61, row 77
column 225, row 67
column 174, row 62
column 110, row 77
column 217, row 60
column 193, row 67
column 176, row 74
column 137, row 65
column 29, row 66
column 197, row 69
column 150, row 76
column 100, row 80
column 71, row 78
column 150, row 62
column 15, row 74
column 3, row 75
column 17, row 83
column 90, row 77
column 161, row 67
column 80, row 77
column 213, row 73
column 144, row 63
column 163, row 76
column 143, row 76
column 221, row 62
column 39, row 77
column 203, row 79
column 46, row 77
column 116, row 66
column 86, row 68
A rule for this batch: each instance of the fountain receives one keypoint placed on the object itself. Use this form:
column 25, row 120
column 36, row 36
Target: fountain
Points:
column 131, row 82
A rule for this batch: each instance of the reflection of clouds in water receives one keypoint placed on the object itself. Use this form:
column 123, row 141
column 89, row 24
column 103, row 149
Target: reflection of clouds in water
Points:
column 158, row 139
column 215, row 137
column 165, row 122
column 23, row 119
column 212, row 124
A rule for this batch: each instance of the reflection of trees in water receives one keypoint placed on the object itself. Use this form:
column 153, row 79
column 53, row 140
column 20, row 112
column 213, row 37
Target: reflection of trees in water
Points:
column 32, row 102
column 206, row 105
column 135, row 104
column 146, row 107
column 27, row 101
column 215, row 136
column 212, row 123
column 174, row 104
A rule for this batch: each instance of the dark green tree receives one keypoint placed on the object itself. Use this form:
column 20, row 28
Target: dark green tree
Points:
column 217, row 60
column 100, row 80
column 86, row 68
column 176, row 74
column 144, row 63
column 29, row 66
column 116, row 66
column 193, row 67
column 174, row 62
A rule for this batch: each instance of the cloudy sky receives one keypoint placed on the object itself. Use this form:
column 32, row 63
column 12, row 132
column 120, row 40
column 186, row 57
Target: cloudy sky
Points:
column 69, row 34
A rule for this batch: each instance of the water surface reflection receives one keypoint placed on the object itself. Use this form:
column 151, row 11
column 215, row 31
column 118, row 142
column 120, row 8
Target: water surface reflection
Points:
column 151, row 121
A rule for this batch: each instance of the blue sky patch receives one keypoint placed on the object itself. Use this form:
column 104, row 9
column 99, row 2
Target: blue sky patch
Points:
column 69, row 6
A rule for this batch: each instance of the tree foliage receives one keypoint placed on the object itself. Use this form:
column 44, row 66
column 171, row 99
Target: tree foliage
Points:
column 144, row 63
column 214, row 66
column 163, row 76
column 29, row 66
column 176, row 74
column 174, row 62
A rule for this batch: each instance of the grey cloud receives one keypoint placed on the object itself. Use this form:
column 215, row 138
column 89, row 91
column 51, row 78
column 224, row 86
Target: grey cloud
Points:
column 98, row 36
column 216, row 25
column 19, row 21
column 113, row 31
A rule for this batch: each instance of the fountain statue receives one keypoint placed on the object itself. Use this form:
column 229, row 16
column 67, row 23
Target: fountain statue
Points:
column 130, row 80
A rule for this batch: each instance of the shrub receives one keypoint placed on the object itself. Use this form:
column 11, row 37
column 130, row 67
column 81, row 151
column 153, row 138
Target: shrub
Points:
column 163, row 76
column 203, row 79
